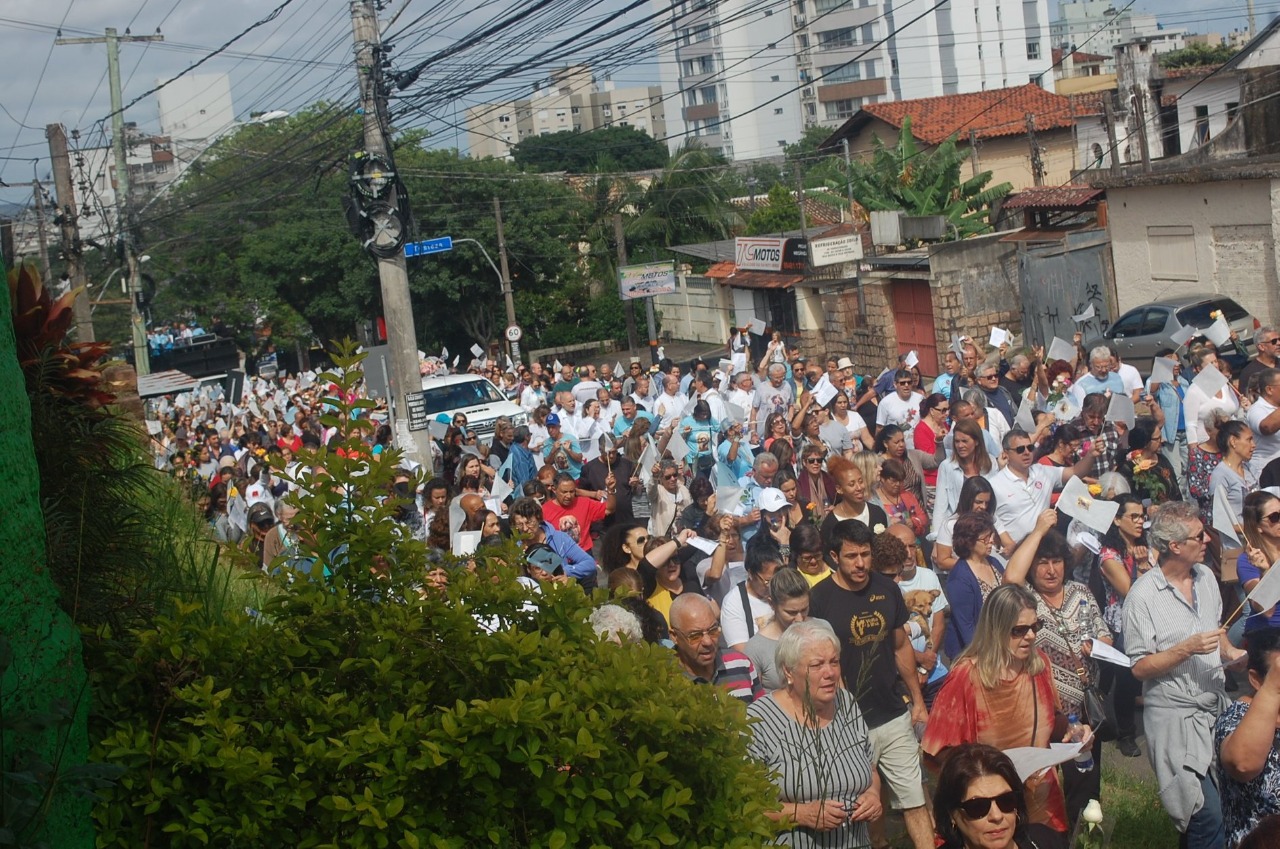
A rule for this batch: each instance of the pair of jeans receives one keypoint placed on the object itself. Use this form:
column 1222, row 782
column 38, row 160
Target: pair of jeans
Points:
column 1206, row 829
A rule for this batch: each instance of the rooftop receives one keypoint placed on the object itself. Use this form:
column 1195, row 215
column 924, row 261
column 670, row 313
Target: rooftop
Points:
column 1054, row 197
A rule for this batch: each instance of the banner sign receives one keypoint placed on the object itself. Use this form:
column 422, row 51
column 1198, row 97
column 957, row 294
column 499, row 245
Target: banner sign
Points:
column 761, row 253
column 644, row 281
column 836, row 249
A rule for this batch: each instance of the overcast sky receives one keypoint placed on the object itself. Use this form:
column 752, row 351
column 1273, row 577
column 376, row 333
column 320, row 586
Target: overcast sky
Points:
column 46, row 84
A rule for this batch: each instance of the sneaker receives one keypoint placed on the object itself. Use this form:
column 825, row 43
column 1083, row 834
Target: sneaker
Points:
column 1128, row 747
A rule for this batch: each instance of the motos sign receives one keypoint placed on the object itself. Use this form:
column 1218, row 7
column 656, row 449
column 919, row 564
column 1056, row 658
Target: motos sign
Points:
column 771, row 254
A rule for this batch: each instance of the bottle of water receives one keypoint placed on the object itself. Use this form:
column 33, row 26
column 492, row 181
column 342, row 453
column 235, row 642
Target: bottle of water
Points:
column 1084, row 760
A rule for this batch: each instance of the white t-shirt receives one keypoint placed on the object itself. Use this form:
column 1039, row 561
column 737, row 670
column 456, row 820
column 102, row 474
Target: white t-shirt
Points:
column 733, row 619
column 1019, row 502
column 669, row 407
column 1132, row 379
column 926, row 579
column 772, row 399
column 856, row 425
column 1268, row 447
column 895, row 411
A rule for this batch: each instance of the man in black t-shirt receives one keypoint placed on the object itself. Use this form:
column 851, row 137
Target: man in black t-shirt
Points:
column 868, row 614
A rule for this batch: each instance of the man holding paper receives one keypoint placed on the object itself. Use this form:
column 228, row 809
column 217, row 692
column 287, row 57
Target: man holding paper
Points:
column 1172, row 633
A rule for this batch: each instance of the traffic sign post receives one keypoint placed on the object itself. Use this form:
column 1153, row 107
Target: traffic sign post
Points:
column 428, row 246
column 514, row 335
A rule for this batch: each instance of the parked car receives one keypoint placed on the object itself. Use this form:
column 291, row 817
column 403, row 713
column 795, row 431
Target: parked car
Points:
column 473, row 396
column 1142, row 331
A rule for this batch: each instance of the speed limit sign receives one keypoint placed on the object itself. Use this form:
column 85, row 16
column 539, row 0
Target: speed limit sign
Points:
column 514, row 333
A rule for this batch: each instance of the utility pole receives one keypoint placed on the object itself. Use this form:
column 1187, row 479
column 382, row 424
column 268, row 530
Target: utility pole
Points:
column 804, row 225
column 1139, row 107
column 620, row 237
column 506, row 282
column 68, row 219
column 41, row 238
column 1037, row 161
column 397, row 308
column 141, row 356
column 973, row 151
column 1110, row 118
column 848, row 174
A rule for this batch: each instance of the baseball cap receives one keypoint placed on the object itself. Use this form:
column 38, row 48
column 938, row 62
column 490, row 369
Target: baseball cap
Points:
column 553, row 420
column 771, row 500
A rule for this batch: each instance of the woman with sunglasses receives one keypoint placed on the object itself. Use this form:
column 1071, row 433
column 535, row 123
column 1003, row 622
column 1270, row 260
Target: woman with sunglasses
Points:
column 979, row 804
column 1124, row 558
column 815, row 486
column 1000, row 692
column 1262, row 527
column 1073, row 625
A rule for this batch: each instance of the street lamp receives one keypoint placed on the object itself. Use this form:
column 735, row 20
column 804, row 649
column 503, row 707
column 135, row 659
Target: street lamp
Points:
column 124, row 287
column 506, row 292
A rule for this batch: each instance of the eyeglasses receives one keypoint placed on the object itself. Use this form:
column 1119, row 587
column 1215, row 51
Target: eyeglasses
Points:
column 986, row 377
column 670, row 477
column 905, row 382
column 1020, row 631
column 1272, row 518
column 809, row 460
column 979, row 806
column 696, row 636
column 1022, row 449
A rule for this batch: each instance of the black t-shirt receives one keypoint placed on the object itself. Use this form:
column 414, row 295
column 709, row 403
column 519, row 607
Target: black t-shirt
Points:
column 865, row 622
column 875, row 516
column 594, row 475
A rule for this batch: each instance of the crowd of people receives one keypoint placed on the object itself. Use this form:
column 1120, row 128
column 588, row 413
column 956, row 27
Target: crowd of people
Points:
column 882, row 567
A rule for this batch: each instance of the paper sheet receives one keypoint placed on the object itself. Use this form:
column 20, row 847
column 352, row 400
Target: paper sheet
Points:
column 1181, row 337
column 1219, row 333
column 477, row 351
column 444, row 353
column 1161, row 370
column 1225, row 520
column 1101, row 651
column 703, row 544
column 1060, row 349
column 1077, row 503
column 500, row 490
column 1025, row 419
column 757, row 326
column 465, row 542
column 1266, row 593
column 729, row 500
column 735, row 412
column 1120, row 410
column 1210, row 381
column 1084, row 316
column 739, row 361
column 153, row 427
column 999, row 336
column 911, row 360
column 957, row 346
column 1030, row 760
column 824, row 392
column 677, row 446
column 617, row 370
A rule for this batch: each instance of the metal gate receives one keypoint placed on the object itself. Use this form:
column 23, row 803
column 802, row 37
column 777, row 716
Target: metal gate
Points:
column 1065, row 279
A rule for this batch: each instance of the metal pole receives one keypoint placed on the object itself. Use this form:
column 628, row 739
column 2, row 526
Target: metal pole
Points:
column 397, row 308
column 71, row 250
column 505, row 277
column 515, row 346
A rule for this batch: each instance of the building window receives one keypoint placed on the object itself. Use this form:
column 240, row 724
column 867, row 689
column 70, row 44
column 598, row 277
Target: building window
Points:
column 690, row 97
column 777, row 111
column 708, row 94
column 1172, row 250
column 1232, row 110
column 840, row 73
column 868, row 33
column 811, row 109
column 825, row 6
column 1033, row 50
column 775, row 79
column 834, row 39
column 575, row 110
column 841, row 109
column 1201, row 134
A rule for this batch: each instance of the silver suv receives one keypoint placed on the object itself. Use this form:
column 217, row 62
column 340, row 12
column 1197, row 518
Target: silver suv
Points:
column 473, row 396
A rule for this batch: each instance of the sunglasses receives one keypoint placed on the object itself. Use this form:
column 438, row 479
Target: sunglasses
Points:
column 1022, row 449
column 1018, row 632
column 943, row 409
column 696, row 636
column 641, row 540
column 905, row 382
column 1272, row 518
column 817, row 460
column 979, row 806
column 669, row 477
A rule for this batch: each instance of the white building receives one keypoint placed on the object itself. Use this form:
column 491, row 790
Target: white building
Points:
column 750, row 79
column 195, row 108
column 1098, row 26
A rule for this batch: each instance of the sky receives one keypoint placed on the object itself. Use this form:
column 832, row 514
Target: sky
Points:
column 305, row 55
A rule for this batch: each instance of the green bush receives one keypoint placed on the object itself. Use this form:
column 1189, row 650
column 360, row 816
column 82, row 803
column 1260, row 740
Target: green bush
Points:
column 361, row 710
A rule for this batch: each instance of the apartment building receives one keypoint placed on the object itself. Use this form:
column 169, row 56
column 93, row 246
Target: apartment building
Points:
column 751, row 76
column 572, row 99
column 1099, row 27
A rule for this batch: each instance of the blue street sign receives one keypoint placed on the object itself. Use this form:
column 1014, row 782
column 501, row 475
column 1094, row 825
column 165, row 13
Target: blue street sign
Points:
column 429, row 246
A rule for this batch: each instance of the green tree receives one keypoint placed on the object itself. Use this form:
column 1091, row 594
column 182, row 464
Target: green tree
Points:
column 617, row 148
column 1197, row 55
column 925, row 182
column 779, row 214
column 687, row 203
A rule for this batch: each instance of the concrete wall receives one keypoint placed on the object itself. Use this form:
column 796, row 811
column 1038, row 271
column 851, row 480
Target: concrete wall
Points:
column 699, row 311
column 975, row 287
column 1230, row 242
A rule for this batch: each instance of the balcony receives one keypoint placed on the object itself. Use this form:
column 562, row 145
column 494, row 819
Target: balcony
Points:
column 850, row 90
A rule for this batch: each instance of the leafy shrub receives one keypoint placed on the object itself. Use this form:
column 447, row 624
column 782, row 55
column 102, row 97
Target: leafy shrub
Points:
column 362, row 710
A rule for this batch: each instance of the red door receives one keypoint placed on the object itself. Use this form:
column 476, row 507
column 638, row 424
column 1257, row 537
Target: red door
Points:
column 913, row 317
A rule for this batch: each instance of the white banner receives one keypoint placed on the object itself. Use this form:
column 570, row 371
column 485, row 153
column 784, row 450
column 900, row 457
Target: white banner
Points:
column 644, row 281
column 836, row 249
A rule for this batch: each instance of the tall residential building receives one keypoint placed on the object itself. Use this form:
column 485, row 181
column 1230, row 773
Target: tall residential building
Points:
column 193, row 111
column 572, row 99
column 751, row 78
column 1098, row 26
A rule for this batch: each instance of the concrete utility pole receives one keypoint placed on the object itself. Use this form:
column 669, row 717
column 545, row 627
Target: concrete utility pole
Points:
column 1110, row 117
column 141, row 355
column 973, row 152
column 804, row 223
column 621, row 239
column 1037, row 161
column 42, row 238
column 397, row 308
column 848, row 174
column 506, row 279
column 69, row 221
column 1139, row 108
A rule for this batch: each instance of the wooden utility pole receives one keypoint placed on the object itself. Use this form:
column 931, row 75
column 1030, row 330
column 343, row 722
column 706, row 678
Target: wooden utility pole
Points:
column 68, row 219
column 1140, row 112
column 1109, row 116
column 141, row 354
column 506, row 280
column 804, row 227
column 1037, row 160
column 393, row 274
column 621, row 239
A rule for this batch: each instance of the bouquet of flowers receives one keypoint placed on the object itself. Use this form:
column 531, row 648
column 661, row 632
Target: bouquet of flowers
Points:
column 1058, row 389
column 1145, row 476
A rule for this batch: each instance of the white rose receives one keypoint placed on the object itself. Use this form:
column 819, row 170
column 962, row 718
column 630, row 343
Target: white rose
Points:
column 1092, row 812
column 878, row 529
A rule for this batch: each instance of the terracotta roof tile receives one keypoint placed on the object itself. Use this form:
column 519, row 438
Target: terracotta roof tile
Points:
column 1053, row 197
column 999, row 112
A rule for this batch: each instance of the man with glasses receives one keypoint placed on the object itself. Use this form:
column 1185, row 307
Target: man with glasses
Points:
column 528, row 524
column 869, row 617
column 1264, row 418
column 1024, row 489
column 696, row 633
column 1100, row 378
column 1268, row 341
column 902, row 408
column 1172, row 633
column 998, row 398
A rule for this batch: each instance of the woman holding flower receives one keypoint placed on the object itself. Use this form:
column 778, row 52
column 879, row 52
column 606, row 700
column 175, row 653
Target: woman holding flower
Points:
column 1149, row 472
column 1235, row 442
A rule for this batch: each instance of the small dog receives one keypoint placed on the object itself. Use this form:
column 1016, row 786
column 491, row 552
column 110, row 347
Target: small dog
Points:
column 920, row 605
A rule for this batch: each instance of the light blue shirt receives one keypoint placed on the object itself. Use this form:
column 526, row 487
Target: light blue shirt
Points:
column 1089, row 385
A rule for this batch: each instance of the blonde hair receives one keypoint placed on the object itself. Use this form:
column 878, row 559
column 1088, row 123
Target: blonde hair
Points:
column 868, row 462
column 989, row 650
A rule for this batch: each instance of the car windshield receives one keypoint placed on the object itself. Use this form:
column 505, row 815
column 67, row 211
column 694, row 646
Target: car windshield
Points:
column 1197, row 315
column 440, row 399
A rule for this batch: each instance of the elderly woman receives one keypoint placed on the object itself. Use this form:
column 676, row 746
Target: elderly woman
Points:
column 1000, row 692
column 789, row 599
column 1072, row 625
column 829, row 795
column 1248, row 742
column 973, row 578
column 979, row 804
